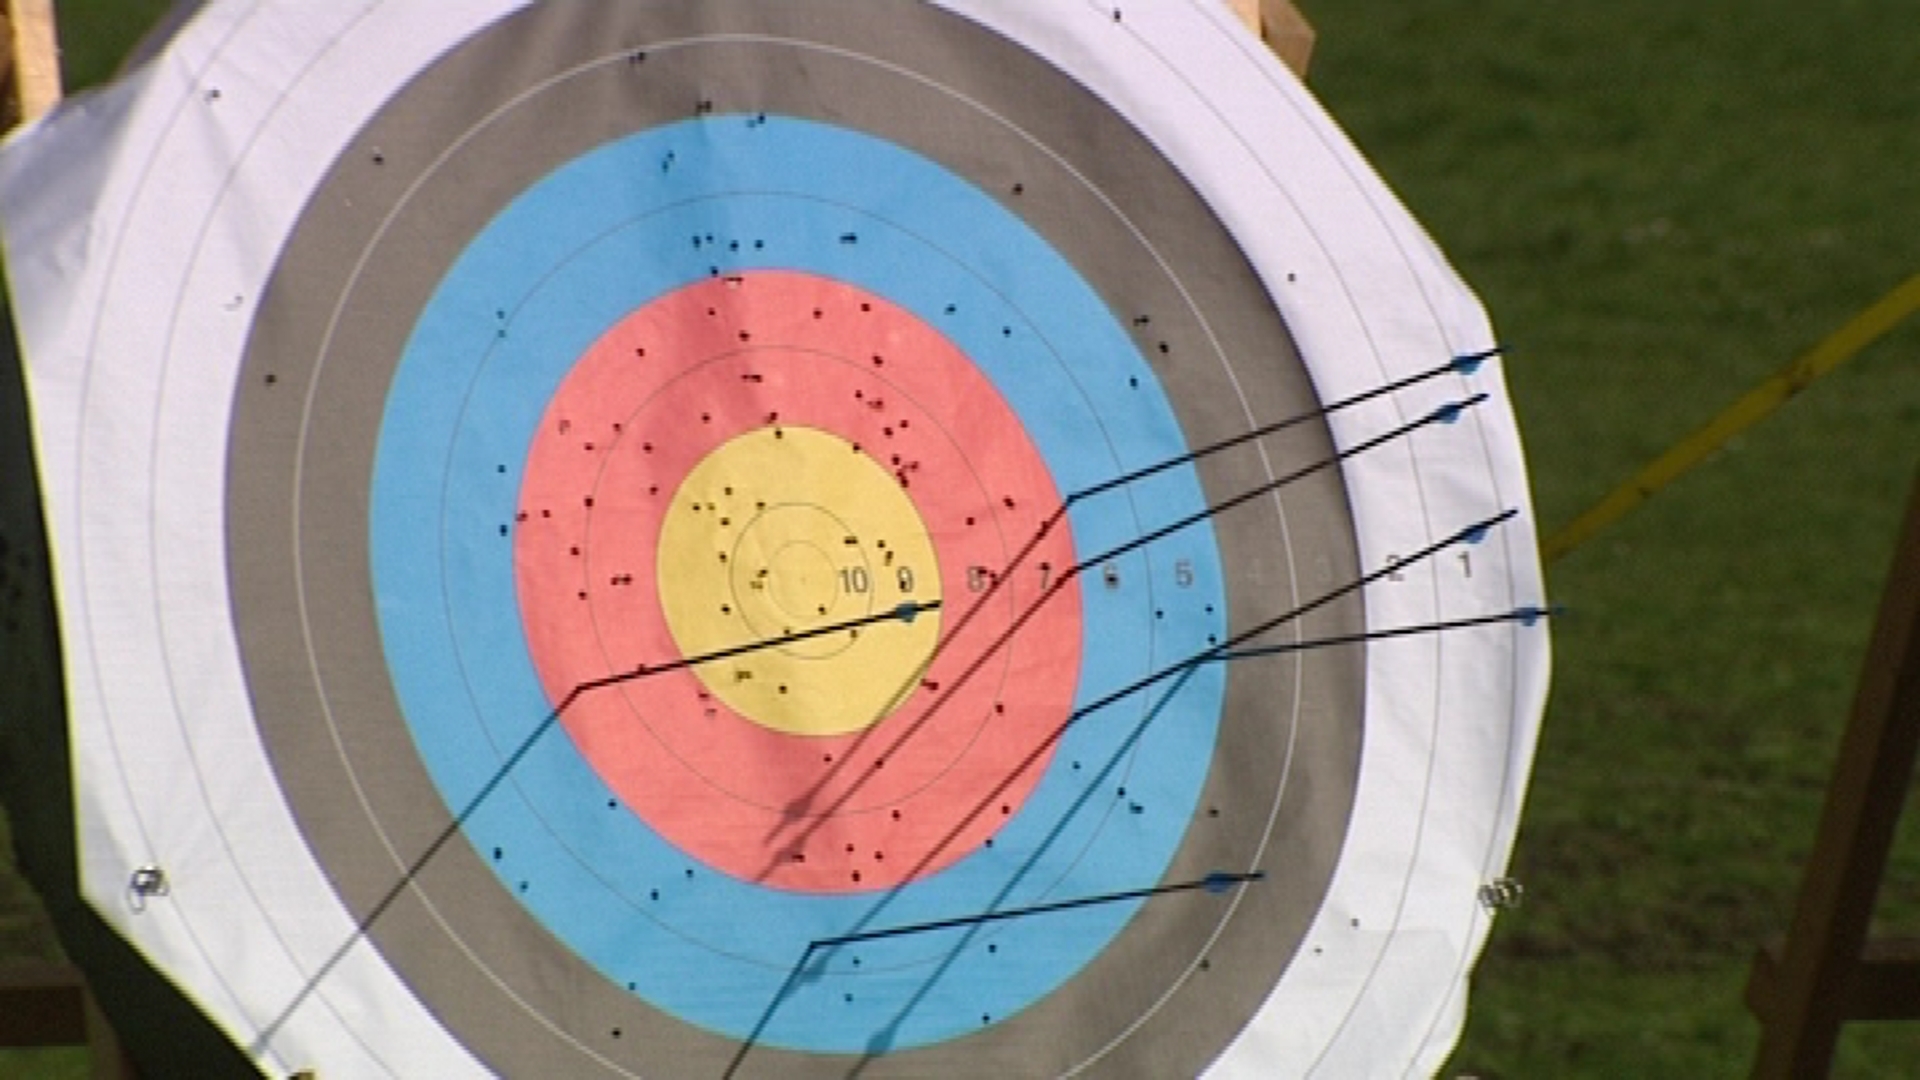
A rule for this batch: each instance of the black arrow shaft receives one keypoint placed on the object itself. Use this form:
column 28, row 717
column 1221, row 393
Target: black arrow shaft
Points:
column 1211, row 883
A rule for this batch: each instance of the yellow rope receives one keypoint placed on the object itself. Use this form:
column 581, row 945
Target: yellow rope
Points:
column 1859, row 332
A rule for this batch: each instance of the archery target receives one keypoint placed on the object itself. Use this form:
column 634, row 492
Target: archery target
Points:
column 636, row 574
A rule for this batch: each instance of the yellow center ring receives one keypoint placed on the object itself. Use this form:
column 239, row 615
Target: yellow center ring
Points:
column 784, row 530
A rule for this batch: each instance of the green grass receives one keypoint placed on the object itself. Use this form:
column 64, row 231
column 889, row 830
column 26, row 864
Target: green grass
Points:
column 59, row 1063
column 95, row 34
column 1661, row 204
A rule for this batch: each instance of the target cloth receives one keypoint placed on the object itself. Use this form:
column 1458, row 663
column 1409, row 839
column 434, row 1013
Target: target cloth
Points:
column 704, row 537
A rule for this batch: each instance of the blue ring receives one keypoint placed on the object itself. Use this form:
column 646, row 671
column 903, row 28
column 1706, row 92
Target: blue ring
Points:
column 568, row 258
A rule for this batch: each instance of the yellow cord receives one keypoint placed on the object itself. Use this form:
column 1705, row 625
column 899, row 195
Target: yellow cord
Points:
column 1760, row 402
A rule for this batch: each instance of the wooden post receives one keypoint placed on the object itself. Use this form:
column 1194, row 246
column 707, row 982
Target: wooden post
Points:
column 31, row 66
column 1282, row 27
column 1828, row 972
column 42, row 1004
column 48, row 1004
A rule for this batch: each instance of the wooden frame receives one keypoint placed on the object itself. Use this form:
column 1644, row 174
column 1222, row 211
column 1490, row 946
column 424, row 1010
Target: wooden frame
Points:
column 42, row 1004
column 48, row 1004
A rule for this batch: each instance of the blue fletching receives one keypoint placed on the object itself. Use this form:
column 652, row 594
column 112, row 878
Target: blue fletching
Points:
column 1447, row 414
column 813, row 967
column 883, row 1040
column 1470, row 363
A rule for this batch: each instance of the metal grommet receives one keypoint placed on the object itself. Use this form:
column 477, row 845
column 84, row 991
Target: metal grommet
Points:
column 1502, row 894
column 146, row 883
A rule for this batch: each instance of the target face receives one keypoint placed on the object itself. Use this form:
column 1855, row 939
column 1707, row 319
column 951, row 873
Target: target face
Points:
column 730, row 539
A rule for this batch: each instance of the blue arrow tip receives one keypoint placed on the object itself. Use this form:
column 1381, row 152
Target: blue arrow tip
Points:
column 906, row 612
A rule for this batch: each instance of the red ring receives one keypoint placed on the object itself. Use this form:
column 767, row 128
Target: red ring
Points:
column 666, row 386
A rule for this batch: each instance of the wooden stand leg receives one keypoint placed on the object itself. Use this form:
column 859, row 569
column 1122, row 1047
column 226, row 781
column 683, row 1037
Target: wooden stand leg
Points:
column 110, row 1058
column 1828, row 972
